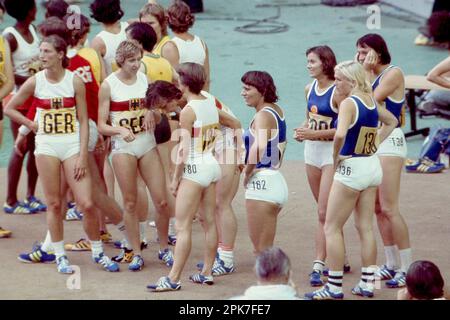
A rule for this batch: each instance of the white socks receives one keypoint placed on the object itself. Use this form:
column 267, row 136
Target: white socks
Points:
column 142, row 225
column 172, row 231
column 318, row 266
column 391, row 252
column 226, row 256
column 97, row 248
column 405, row 259
column 59, row 249
column 47, row 244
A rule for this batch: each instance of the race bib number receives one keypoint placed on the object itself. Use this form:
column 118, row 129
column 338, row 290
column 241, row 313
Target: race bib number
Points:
column 344, row 170
column 58, row 121
column 132, row 120
column 319, row 122
column 190, row 169
column 397, row 141
column 207, row 137
column 368, row 141
column 258, row 185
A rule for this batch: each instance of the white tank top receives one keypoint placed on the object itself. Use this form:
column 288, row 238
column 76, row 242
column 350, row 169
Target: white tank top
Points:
column 191, row 51
column 127, row 102
column 204, row 129
column 55, row 105
column 26, row 53
column 112, row 41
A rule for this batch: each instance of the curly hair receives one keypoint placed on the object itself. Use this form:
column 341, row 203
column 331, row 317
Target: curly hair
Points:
column 158, row 12
column 19, row 10
column 127, row 49
column 160, row 92
column 179, row 17
column 327, row 57
column 106, row 11
column 263, row 82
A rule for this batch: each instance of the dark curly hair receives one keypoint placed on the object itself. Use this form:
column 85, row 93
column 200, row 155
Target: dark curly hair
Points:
column 19, row 10
column 56, row 8
column 263, row 82
column 106, row 11
column 192, row 75
column 143, row 33
column 179, row 17
column 327, row 57
column 160, row 92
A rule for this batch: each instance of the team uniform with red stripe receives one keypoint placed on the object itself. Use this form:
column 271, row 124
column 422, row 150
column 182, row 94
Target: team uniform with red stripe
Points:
column 58, row 132
column 127, row 110
column 85, row 63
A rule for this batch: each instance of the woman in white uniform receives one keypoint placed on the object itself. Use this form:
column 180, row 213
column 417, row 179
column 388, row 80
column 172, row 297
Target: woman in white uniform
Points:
column 195, row 177
column 62, row 132
column 121, row 100
column 388, row 86
column 265, row 142
column 358, row 174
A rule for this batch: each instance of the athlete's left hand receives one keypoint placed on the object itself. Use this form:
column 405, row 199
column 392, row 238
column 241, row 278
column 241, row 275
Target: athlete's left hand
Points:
column 79, row 170
column 338, row 159
column 149, row 121
column 247, row 177
column 100, row 146
column 303, row 133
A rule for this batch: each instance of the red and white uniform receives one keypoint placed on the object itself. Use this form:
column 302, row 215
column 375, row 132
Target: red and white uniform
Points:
column 58, row 129
column 127, row 110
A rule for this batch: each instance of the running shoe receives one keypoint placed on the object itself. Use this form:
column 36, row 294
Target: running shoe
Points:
column 63, row 265
column 125, row 256
column 18, row 208
column 384, row 273
column 5, row 233
column 37, row 255
column 398, row 281
column 105, row 236
column 106, row 263
column 425, row 165
column 166, row 256
column 358, row 291
column 171, row 240
column 324, row 293
column 164, row 284
column 315, row 279
column 219, row 268
column 72, row 214
column 80, row 245
column 136, row 264
column 144, row 244
column 34, row 203
column 202, row 279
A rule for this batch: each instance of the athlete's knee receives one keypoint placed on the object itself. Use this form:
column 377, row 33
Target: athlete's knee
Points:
column 330, row 228
column 54, row 206
column 86, row 206
column 322, row 214
column 130, row 205
column 162, row 206
column 363, row 228
column 387, row 211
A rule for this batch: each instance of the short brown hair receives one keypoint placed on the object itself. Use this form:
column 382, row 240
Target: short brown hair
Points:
column 159, row 92
column 126, row 50
column 192, row 75
column 263, row 82
column 53, row 25
column 179, row 17
column 424, row 280
column 158, row 12
column 327, row 57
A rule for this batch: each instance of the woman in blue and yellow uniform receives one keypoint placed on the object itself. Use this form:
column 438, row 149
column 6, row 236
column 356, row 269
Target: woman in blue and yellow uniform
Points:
column 358, row 174
column 265, row 143
column 389, row 91
column 317, row 133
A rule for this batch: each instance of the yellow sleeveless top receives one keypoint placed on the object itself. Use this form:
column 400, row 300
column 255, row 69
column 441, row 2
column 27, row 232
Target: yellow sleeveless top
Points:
column 2, row 61
column 157, row 49
column 157, row 68
column 94, row 59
